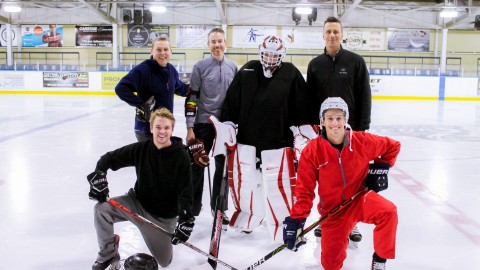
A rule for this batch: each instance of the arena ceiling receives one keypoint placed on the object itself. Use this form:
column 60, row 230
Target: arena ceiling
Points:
column 108, row 11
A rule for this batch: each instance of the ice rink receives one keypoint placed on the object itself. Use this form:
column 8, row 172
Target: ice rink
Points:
column 48, row 144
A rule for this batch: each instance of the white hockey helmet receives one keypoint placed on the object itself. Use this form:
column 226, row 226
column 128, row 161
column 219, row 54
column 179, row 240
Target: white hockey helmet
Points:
column 334, row 103
column 271, row 53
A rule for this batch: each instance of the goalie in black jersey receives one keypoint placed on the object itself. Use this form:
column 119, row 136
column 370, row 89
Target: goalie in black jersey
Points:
column 265, row 98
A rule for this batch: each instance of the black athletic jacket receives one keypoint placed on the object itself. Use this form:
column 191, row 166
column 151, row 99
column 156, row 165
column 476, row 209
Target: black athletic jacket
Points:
column 344, row 76
column 163, row 175
column 150, row 79
column 265, row 108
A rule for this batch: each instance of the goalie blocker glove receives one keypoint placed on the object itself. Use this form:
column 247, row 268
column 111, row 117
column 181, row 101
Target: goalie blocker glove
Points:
column 292, row 228
column 143, row 112
column 184, row 229
column 197, row 150
column 377, row 177
column 98, row 186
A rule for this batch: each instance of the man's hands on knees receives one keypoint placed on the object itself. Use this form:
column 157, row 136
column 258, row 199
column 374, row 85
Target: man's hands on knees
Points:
column 184, row 228
column 292, row 228
column 98, row 186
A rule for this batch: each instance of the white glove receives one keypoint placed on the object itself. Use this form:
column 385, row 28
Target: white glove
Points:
column 301, row 137
column 225, row 136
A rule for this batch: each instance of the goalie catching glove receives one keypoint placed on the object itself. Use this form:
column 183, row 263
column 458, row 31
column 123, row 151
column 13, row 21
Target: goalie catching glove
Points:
column 98, row 186
column 377, row 177
column 199, row 155
column 143, row 112
column 184, row 228
column 292, row 228
column 302, row 135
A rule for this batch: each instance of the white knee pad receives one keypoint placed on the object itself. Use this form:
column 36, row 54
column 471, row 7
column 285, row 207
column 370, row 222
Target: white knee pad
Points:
column 246, row 188
column 279, row 180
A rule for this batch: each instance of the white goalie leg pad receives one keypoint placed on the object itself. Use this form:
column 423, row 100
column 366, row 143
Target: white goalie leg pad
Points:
column 279, row 180
column 246, row 188
column 225, row 136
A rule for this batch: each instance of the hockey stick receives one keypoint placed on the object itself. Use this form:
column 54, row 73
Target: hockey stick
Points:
column 217, row 222
column 140, row 218
column 209, row 182
column 335, row 211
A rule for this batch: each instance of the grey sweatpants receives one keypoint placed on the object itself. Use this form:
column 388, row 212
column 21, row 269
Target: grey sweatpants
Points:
column 105, row 215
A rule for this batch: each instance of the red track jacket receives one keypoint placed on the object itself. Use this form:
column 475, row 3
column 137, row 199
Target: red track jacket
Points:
column 339, row 175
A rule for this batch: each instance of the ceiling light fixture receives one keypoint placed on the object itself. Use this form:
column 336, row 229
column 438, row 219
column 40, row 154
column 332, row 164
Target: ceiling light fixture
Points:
column 448, row 13
column 158, row 9
column 13, row 8
column 303, row 10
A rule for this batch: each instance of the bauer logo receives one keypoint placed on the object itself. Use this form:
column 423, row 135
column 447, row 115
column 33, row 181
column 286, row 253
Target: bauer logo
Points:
column 377, row 171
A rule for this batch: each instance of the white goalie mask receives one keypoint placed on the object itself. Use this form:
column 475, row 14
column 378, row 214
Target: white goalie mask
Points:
column 334, row 103
column 271, row 53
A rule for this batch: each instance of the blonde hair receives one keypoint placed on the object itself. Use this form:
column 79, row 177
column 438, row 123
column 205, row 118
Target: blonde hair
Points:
column 162, row 112
column 162, row 37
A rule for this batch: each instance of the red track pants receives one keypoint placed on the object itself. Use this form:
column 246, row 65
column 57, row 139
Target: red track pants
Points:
column 370, row 208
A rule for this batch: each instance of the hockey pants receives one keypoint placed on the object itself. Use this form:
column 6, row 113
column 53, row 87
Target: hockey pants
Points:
column 370, row 208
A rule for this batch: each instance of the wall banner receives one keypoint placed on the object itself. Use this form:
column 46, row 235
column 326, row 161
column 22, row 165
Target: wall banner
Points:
column 412, row 40
column 364, row 39
column 251, row 36
column 192, row 36
column 303, row 37
column 143, row 35
column 3, row 35
column 42, row 35
column 65, row 79
column 93, row 36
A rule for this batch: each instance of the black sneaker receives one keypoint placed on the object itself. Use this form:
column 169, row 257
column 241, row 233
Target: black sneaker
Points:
column 378, row 263
column 113, row 262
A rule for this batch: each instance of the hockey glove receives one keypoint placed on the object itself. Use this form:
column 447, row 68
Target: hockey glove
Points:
column 143, row 112
column 199, row 155
column 377, row 177
column 302, row 135
column 292, row 228
column 98, row 186
column 184, row 229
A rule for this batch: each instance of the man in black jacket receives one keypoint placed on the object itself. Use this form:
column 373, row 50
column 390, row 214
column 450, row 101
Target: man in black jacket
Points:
column 340, row 73
column 163, row 190
column 151, row 85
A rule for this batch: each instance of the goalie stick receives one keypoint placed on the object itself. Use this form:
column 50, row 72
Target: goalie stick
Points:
column 217, row 222
column 140, row 218
column 335, row 211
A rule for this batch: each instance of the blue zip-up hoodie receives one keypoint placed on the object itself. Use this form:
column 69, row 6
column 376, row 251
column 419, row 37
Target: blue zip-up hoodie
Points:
column 150, row 79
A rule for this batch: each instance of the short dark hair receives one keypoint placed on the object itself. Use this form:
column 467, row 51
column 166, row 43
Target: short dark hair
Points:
column 332, row 20
column 216, row 30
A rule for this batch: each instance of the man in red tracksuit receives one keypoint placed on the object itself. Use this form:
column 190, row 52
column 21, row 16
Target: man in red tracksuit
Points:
column 338, row 161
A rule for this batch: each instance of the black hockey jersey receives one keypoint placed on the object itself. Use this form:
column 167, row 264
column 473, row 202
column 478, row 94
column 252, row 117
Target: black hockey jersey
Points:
column 265, row 108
